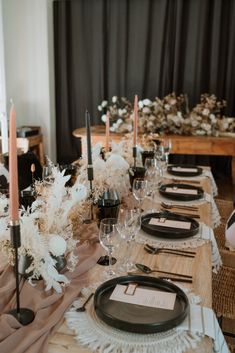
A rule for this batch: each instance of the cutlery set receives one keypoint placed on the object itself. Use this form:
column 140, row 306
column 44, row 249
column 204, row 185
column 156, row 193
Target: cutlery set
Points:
column 153, row 250
column 166, row 207
column 198, row 182
column 180, row 207
column 177, row 277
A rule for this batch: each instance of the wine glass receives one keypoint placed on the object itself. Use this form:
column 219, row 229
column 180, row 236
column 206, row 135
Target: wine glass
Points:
column 139, row 190
column 161, row 156
column 150, row 163
column 154, row 177
column 167, row 145
column 109, row 239
column 47, row 174
column 129, row 223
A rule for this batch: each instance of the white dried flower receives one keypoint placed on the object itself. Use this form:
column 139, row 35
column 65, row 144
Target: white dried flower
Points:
column 104, row 118
column 205, row 111
column 212, row 118
column 114, row 99
column 100, row 108
column 119, row 121
column 104, row 104
column 140, row 104
column 146, row 110
column 147, row 101
column 57, row 245
column 167, row 106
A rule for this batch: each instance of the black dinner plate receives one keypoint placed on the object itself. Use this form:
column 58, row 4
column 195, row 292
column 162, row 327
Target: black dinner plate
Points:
column 169, row 232
column 181, row 196
column 175, row 170
column 137, row 318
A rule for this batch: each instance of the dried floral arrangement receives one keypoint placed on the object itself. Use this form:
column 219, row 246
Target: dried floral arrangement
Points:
column 110, row 172
column 170, row 115
column 47, row 230
column 207, row 118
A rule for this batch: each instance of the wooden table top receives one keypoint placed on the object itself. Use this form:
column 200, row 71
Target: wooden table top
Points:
column 199, row 267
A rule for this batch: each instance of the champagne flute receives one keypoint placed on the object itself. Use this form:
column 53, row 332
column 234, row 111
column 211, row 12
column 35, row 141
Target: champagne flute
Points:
column 109, row 239
column 167, row 145
column 129, row 223
column 140, row 190
column 154, row 177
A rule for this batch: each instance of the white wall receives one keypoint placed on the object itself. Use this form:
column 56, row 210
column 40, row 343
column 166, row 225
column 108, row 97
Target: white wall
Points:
column 2, row 69
column 29, row 65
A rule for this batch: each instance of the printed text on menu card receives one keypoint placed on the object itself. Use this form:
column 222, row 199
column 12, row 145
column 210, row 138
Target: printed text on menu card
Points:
column 144, row 297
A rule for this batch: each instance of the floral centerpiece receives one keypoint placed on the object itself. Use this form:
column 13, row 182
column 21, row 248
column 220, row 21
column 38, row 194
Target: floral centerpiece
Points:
column 110, row 172
column 162, row 116
column 207, row 118
column 46, row 230
column 170, row 115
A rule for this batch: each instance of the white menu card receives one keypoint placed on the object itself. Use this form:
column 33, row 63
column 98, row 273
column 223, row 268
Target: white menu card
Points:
column 145, row 297
column 163, row 222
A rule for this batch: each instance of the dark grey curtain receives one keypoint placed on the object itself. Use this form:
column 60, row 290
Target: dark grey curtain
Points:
column 145, row 47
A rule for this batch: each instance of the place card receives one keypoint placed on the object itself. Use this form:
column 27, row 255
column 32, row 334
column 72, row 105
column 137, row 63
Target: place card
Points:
column 144, row 297
column 176, row 190
column 164, row 222
column 187, row 170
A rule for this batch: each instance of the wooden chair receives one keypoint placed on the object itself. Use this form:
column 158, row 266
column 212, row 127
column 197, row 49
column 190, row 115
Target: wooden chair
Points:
column 223, row 283
column 225, row 208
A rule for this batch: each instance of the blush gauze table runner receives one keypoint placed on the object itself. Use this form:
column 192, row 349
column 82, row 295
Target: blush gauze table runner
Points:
column 49, row 307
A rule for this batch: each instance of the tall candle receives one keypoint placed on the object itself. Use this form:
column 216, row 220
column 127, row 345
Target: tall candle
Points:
column 13, row 169
column 88, row 136
column 4, row 133
column 89, row 151
column 135, row 120
column 107, row 132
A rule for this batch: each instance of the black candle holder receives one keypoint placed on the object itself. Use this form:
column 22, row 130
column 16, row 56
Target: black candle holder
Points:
column 134, row 155
column 24, row 315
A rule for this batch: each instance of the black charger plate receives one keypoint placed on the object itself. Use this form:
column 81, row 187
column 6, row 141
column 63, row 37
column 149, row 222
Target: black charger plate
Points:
column 179, row 196
column 169, row 232
column 171, row 170
column 137, row 318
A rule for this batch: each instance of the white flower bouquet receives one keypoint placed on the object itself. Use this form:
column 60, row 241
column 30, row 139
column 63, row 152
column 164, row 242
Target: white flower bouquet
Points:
column 46, row 230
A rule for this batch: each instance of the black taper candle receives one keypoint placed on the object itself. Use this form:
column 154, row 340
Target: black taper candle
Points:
column 134, row 155
column 89, row 150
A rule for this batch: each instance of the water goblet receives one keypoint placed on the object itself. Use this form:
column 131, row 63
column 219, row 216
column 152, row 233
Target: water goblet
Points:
column 109, row 239
column 140, row 190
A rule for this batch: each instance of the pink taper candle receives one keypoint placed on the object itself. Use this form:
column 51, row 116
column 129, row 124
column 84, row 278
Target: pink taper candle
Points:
column 107, row 132
column 13, row 169
column 135, row 120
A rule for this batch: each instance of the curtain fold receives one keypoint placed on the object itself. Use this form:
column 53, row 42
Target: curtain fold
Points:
column 127, row 47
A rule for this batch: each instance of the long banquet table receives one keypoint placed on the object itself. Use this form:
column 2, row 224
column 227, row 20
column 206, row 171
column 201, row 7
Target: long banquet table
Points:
column 200, row 268
column 198, row 145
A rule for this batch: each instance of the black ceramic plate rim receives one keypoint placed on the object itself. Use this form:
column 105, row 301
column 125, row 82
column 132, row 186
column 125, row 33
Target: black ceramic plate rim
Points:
column 180, row 173
column 169, row 232
column 147, row 281
column 178, row 196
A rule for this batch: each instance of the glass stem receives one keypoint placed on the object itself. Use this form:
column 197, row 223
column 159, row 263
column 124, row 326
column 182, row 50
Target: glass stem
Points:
column 153, row 198
column 110, row 254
